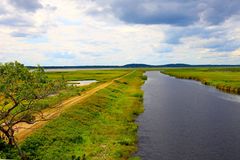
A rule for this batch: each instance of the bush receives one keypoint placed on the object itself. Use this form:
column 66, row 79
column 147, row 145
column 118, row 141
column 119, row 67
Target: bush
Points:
column 7, row 151
column 144, row 77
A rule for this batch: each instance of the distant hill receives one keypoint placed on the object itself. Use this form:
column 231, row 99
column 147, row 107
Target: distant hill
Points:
column 176, row 65
column 134, row 65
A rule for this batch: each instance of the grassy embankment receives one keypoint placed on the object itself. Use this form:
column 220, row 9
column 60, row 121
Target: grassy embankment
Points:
column 100, row 75
column 102, row 127
column 225, row 79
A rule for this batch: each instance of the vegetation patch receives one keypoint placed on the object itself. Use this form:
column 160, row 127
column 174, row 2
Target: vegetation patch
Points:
column 103, row 127
column 24, row 94
column 99, row 75
column 225, row 79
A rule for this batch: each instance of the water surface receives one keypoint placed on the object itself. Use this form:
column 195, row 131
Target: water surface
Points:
column 81, row 83
column 184, row 120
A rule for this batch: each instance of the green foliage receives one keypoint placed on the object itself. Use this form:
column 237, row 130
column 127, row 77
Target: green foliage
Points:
column 20, row 89
column 102, row 127
column 99, row 75
column 226, row 79
column 7, row 151
column 60, row 96
column 144, row 77
column 135, row 158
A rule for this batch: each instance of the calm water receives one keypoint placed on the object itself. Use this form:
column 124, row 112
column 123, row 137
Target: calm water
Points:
column 81, row 83
column 184, row 120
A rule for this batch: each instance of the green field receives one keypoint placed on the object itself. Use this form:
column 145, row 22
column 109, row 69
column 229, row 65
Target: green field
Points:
column 101, row 127
column 225, row 79
column 99, row 75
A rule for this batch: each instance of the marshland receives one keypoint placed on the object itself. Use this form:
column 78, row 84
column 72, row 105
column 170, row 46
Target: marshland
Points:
column 120, row 79
column 101, row 120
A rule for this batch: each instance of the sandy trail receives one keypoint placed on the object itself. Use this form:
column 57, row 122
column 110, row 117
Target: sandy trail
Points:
column 24, row 129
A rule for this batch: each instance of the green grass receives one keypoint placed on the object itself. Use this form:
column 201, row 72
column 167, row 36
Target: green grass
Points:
column 99, row 75
column 226, row 79
column 103, row 127
column 62, row 95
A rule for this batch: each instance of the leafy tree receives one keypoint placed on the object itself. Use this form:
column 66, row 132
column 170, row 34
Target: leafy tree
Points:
column 20, row 89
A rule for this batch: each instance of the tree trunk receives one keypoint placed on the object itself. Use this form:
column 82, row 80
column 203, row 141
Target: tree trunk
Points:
column 6, row 133
column 20, row 152
column 11, row 141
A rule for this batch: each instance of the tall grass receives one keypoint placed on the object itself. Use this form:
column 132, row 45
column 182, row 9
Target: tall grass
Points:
column 225, row 79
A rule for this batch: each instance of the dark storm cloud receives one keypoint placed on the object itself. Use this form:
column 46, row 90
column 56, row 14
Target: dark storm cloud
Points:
column 223, row 46
column 27, row 5
column 215, row 11
column 155, row 12
column 217, row 38
column 173, row 12
column 174, row 35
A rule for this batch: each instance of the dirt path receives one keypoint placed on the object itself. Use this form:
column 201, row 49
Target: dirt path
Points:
column 24, row 129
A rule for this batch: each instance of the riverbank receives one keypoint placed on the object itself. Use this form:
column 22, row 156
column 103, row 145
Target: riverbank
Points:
column 102, row 127
column 225, row 79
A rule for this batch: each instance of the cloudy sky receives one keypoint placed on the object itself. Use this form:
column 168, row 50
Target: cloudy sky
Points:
column 117, row 32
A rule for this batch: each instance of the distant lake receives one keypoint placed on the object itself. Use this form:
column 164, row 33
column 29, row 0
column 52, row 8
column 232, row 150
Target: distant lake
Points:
column 184, row 120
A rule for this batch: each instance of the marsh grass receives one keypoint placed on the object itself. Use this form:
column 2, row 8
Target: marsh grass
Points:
column 64, row 94
column 103, row 127
column 225, row 79
column 71, row 91
column 99, row 75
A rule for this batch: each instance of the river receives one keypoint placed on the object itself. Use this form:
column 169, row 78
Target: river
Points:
column 185, row 120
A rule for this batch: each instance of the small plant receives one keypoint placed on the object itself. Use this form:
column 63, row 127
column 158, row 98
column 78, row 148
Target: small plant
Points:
column 144, row 77
column 74, row 157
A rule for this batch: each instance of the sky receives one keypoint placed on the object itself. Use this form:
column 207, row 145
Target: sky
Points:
column 118, row 32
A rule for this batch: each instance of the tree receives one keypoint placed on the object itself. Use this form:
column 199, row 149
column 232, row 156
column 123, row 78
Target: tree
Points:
column 20, row 89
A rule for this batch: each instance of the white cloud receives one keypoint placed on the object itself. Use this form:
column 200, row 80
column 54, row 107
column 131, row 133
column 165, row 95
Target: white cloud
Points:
column 236, row 53
column 72, row 29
